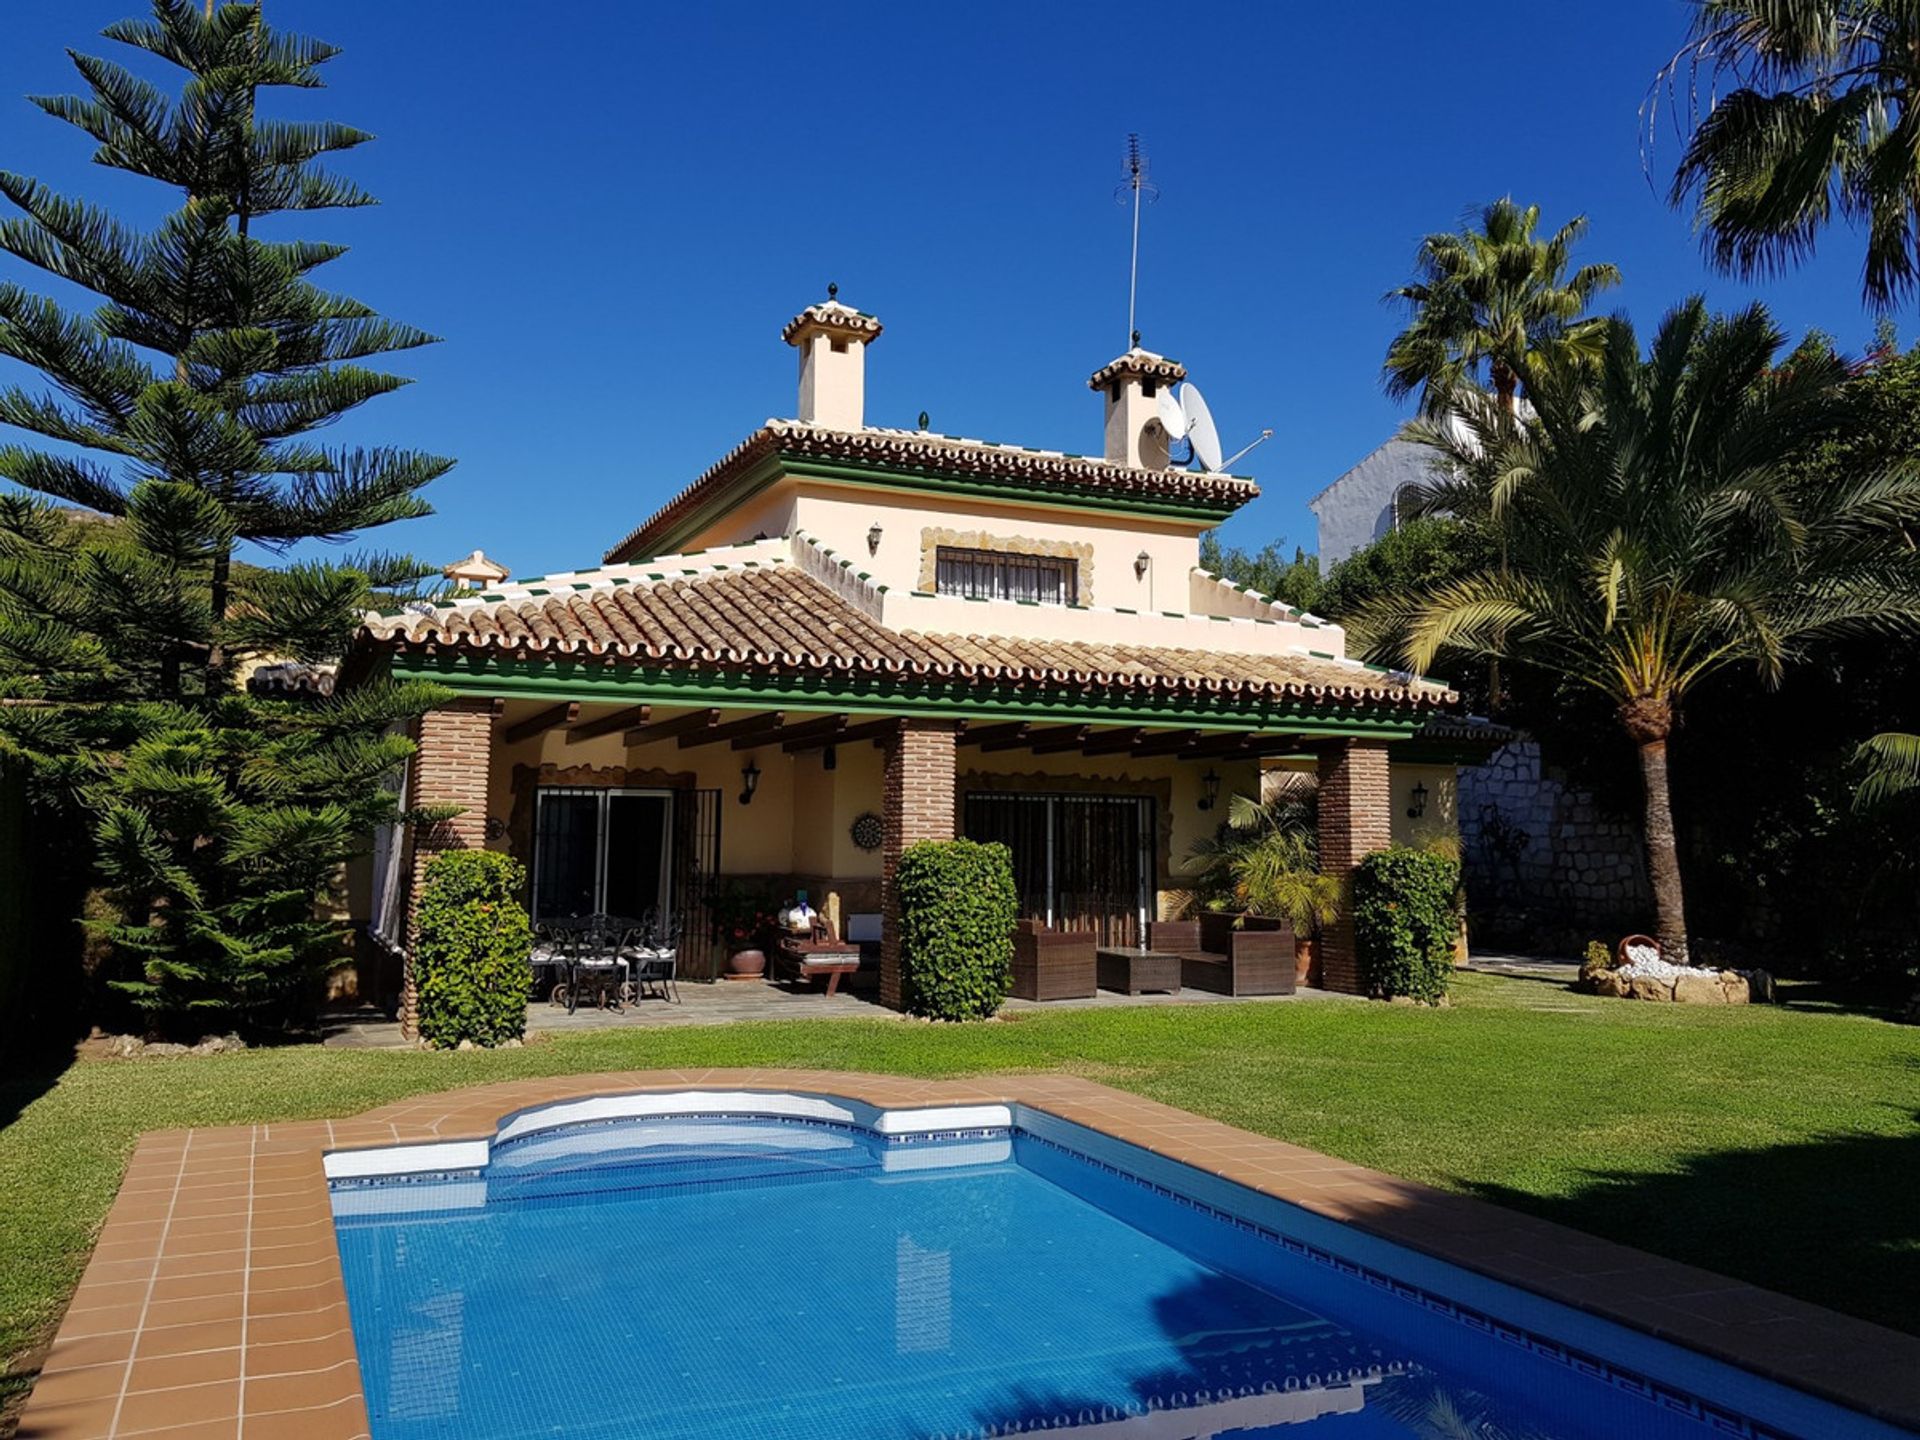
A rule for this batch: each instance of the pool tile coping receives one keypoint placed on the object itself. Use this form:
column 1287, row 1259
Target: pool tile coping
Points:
column 214, row 1306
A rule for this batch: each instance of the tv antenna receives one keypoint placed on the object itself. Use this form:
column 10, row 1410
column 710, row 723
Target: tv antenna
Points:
column 1137, row 189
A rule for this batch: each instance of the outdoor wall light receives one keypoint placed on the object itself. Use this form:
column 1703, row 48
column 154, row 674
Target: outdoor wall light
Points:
column 873, row 539
column 1419, row 805
column 1140, row 564
column 1209, row 789
column 830, row 757
column 749, row 781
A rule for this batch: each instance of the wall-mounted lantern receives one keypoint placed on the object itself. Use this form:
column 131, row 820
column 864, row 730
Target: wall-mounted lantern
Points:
column 1418, row 807
column 873, row 538
column 749, row 781
column 1209, row 789
column 1140, row 564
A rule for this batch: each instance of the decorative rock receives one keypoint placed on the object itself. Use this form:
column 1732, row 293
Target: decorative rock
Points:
column 466, row 1045
column 513, row 1044
column 1698, row 990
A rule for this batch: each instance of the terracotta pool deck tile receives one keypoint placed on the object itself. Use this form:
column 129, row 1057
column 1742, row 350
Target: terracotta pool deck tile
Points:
column 86, row 1352
column 102, row 1320
column 190, row 1405
column 184, row 1339
column 343, row 1420
column 299, row 1328
column 308, row 1390
column 300, row 1357
column 195, row 1367
column 220, row 1308
column 81, row 1386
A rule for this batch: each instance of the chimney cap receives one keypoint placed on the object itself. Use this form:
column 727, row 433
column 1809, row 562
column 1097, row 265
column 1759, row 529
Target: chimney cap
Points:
column 476, row 570
column 1137, row 363
column 832, row 318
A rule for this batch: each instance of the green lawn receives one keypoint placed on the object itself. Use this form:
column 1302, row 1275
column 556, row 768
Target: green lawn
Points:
column 1781, row 1145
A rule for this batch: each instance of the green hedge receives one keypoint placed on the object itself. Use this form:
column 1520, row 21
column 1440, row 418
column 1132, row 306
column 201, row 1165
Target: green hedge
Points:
column 1404, row 921
column 957, row 912
column 474, row 954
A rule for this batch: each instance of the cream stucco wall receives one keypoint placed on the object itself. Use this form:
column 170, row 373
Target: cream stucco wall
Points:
column 801, row 818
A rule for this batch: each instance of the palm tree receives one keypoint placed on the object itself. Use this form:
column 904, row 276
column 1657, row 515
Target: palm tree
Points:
column 1893, row 768
column 1659, row 526
column 1823, row 119
column 1491, row 299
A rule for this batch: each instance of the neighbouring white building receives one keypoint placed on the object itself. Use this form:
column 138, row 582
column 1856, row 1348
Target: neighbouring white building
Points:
column 1369, row 501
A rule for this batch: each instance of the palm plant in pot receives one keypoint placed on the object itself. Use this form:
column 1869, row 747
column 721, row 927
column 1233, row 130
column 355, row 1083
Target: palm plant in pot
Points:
column 1265, row 860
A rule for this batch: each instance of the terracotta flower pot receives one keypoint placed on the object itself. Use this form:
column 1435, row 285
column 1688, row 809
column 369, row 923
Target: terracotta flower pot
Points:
column 746, row 964
column 1306, row 960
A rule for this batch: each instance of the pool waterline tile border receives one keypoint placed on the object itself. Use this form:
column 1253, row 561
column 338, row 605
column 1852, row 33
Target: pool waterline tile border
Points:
column 213, row 1305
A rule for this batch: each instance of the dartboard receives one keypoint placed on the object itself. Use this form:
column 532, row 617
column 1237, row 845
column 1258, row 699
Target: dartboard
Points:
column 867, row 831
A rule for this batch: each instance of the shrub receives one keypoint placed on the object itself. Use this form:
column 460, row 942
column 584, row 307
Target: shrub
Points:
column 474, row 953
column 957, row 912
column 1597, row 961
column 1404, row 920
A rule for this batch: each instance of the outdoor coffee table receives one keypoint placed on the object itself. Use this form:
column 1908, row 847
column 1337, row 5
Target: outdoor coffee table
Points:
column 1124, row 968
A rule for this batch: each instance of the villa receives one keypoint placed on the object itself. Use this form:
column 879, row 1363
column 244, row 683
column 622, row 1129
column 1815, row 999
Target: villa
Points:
column 845, row 638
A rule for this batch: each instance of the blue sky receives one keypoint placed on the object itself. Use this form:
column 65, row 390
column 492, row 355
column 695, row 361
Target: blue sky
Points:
column 609, row 209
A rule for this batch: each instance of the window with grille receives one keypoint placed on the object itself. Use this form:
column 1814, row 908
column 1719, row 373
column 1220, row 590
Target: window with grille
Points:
column 997, row 575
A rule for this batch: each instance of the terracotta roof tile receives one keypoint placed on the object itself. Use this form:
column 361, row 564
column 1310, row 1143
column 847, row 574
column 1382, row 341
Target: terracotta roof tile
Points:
column 919, row 451
column 776, row 618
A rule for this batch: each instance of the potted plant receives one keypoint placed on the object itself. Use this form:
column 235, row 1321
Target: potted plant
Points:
column 743, row 912
column 1279, row 875
column 1264, row 860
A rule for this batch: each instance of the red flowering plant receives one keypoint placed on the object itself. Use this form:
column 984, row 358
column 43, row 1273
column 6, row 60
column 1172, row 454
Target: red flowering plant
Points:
column 743, row 911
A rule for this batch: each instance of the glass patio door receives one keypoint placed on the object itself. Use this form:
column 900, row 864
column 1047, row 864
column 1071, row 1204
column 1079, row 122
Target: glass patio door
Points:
column 602, row 851
column 1080, row 862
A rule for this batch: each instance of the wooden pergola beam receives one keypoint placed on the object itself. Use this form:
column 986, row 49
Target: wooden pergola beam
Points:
column 747, row 727
column 993, row 734
column 672, row 726
column 829, row 726
column 629, row 718
column 539, row 724
column 1059, row 738
column 1169, row 743
column 874, row 730
column 1113, row 742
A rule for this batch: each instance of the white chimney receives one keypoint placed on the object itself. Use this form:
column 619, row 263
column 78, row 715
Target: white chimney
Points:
column 1132, row 384
column 476, row 572
column 832, row 340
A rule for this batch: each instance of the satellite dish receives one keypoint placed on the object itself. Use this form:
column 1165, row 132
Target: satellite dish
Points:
column 1201, row 432
column 1172, row 418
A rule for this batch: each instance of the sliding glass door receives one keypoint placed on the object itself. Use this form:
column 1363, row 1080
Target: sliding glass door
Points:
column 598, row 851
column 1080, row 862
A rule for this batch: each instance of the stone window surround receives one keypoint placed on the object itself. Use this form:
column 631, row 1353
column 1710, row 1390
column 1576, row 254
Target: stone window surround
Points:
column 932, row 537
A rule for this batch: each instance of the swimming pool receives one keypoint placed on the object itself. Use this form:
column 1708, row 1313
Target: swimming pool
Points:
column 756, row 1265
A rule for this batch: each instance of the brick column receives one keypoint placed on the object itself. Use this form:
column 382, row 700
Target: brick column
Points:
column 918, row 805
column 1356, row 818
column 456, row 745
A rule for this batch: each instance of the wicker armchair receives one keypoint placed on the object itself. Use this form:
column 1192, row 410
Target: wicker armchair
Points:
column 1253, row 957
column 1053, row 964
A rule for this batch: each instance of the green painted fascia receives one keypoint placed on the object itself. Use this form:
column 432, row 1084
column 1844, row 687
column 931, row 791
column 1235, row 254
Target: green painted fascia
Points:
column 567, row 679
column 764, row 472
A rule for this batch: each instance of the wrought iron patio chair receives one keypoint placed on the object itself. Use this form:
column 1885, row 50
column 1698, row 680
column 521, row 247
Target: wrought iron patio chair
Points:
column 652, row 959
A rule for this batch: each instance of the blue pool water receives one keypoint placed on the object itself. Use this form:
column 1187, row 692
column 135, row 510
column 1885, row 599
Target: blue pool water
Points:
column 758, row 1277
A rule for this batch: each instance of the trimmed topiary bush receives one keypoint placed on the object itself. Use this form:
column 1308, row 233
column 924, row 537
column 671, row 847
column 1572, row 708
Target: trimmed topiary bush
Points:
column 1404, row 922
column 474, row 955
column 957, row 912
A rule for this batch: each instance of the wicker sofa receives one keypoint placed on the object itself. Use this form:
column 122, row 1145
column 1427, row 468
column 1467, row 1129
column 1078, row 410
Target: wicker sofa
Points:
column 1253, row 957
column 1053, row 964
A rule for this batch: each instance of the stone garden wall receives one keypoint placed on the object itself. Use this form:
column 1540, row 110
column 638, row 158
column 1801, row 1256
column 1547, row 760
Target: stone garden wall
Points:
column 1546, row 868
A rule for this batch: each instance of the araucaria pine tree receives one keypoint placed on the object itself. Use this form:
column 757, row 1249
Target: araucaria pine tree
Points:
column 181, row 410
